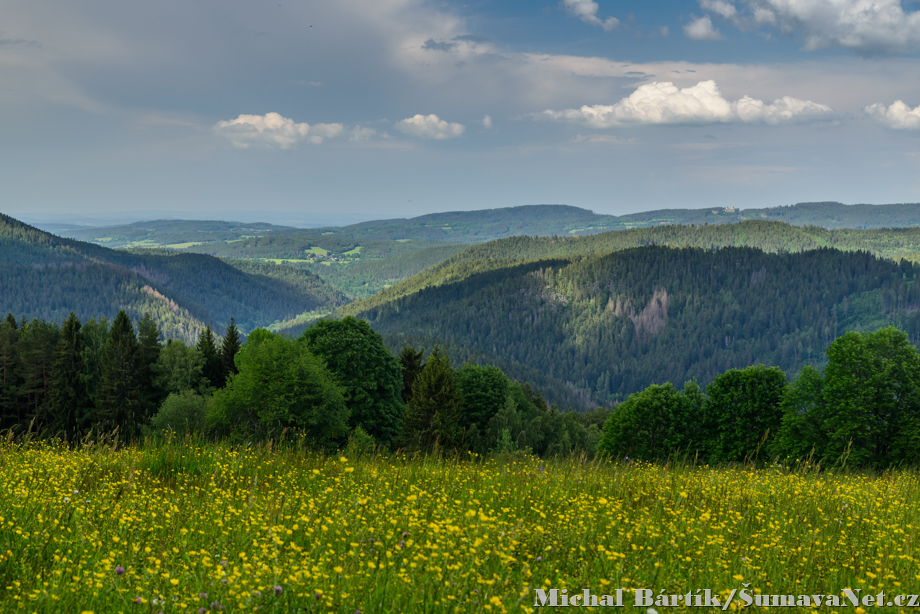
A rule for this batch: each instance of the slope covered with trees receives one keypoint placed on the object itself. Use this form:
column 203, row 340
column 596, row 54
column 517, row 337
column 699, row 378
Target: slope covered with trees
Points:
column 44, row 276
column 774, row 237
column 614, row 323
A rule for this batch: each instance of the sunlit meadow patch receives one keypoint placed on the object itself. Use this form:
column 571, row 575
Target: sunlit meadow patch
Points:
column 283, row 529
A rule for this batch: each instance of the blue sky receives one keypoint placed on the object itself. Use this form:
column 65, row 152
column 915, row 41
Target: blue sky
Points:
column 337, row 110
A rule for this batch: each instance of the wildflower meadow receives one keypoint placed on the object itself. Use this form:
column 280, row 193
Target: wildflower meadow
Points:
column 186, row 526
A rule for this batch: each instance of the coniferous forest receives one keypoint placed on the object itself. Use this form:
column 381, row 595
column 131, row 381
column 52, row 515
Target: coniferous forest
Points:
column 544, row 345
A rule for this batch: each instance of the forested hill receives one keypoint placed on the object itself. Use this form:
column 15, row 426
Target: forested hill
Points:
column 490, row 224
column 777, row 237
column 44, row 276
column 617, row 322
column 563, row 220
column 177, row 234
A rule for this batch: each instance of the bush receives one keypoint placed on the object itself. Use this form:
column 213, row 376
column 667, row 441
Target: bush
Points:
column 181, row 413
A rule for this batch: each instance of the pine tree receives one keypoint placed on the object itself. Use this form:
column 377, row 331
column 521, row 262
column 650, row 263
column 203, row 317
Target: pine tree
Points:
column 230, row 348
column 213, row 369
column 69, row 403
column 119, row 402
column 434, row 415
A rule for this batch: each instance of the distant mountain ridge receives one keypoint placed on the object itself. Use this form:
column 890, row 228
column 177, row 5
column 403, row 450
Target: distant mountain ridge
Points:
column 491, row 224
column 565, row 220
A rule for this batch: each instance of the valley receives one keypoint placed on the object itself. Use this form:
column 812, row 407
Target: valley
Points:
column 587, row 316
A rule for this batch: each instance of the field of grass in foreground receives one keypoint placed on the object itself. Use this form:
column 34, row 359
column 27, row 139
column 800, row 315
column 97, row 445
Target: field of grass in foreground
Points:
column 180, row 527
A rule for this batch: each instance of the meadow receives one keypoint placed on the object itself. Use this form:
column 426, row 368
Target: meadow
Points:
column 186, row 526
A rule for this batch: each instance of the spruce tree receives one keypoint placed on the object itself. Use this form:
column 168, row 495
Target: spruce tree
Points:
column 9, row 372
column 119, row 397
column 230, row 348
column 411, row 361
column 434, row 413
column 213, row 369
column 37, row 341
column 69, row 403
column 149, row 344
column 95, row 338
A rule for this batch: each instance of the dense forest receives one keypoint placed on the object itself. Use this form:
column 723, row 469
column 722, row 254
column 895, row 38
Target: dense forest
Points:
column 178, row 234
column 338, row 385
column 490, row 224
column 44, row 276
column 776, row 237
column 863, row 410
column 612, row 324
column 335, row 384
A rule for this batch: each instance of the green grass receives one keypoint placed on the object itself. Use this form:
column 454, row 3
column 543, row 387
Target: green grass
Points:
column 352, row 252
column 195, row 525
column 283, row 260
column 317, row 250
column 182, row 245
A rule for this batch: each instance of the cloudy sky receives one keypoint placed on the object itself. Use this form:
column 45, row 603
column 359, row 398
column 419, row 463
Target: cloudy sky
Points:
column 337, row 110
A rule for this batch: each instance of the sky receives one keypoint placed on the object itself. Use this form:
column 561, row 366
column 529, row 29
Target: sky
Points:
column 332, row 111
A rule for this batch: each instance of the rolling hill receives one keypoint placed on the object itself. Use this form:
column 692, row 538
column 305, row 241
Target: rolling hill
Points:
column 611, row 323
column 174, row 234
column 46, row 277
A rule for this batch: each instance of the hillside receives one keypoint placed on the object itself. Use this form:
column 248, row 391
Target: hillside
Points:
column 774, row 237
column 563, row 220
column 490, row 224
column 357, row 268
column 44, row 276
column 613, row 323
column 174, row 234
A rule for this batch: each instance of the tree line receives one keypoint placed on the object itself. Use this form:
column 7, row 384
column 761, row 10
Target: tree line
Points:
column 614, row 323
column 335, row 383
column 862, row 410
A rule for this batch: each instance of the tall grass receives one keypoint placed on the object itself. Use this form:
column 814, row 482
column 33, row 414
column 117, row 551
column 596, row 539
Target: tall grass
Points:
column 185, row 526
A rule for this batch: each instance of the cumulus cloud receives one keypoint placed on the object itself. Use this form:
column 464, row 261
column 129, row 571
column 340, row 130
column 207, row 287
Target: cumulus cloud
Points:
column 868, row 27
column 664, row 103
column 361, row 133
column 719, row 7
column 701, row 29
column 586, row 10
column 273, row 131
column 429, row 127
column 487, row 122
column 898, row 116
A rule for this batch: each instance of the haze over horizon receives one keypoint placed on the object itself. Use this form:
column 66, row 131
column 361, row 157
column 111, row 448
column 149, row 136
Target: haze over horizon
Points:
column 333, row 113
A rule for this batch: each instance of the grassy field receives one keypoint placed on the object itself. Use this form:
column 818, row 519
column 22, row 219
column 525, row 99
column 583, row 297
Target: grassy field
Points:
column 185, row 527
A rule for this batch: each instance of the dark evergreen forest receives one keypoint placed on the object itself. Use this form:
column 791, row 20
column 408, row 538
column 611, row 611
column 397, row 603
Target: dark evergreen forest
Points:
column 612, row 324
column 44, row 276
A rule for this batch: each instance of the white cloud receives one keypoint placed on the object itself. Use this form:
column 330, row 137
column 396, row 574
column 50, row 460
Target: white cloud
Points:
column 361, row 133
column 273, row 131
column 701, row 29
column 586, row 10
column 719, row 7
column 487, row 122
column 898, row 116
column 664, row 103
column 429, row 127
column 868, row 27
